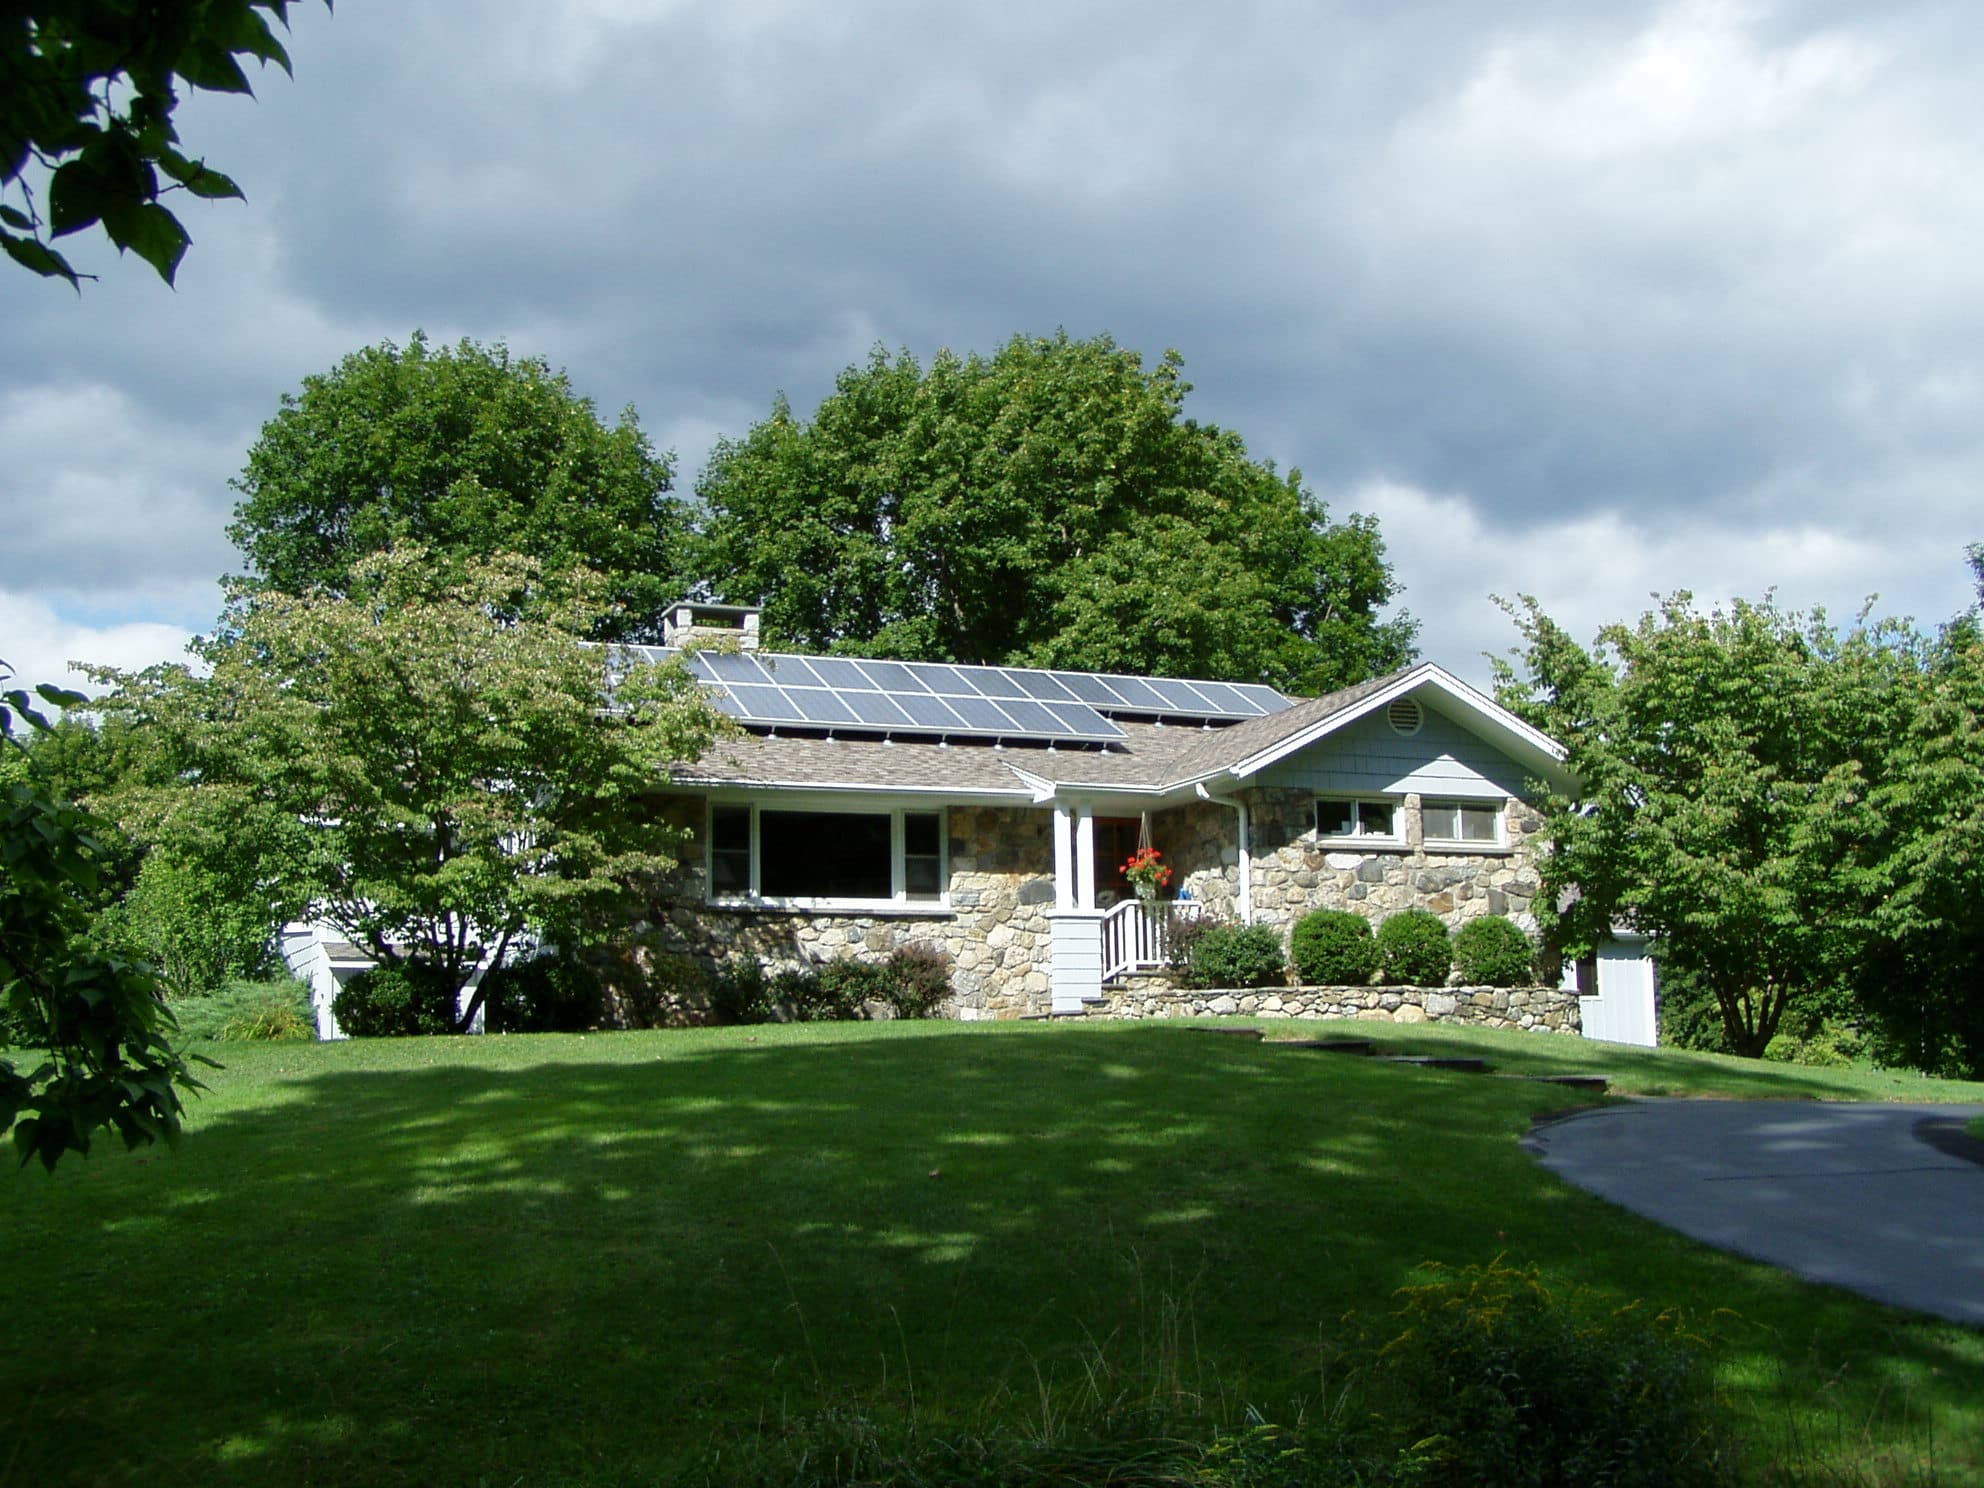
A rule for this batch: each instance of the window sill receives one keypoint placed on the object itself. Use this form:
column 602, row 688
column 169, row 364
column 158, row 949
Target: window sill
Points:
column 870, row 908
column 1472, row 849
column 1361, row 844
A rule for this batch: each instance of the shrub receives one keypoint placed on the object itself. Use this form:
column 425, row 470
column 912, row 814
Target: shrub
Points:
column 1237, row 956
column 1495, row 1379
column 186, row 922
column 240, row 1011
column 919, row 980
column 1182, row 937
column 546, row 994
column 740, row 993
column 1333, row 947
column 913, row 981
column 1413, row 949
column 1493, row 951
column 393, row 1001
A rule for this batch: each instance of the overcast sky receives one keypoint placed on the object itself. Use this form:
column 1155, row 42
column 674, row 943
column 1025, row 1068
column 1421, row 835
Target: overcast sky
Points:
column 1588, row 302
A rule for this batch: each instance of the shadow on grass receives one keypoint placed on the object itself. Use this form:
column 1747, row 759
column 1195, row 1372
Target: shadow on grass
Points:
column 596, row 1268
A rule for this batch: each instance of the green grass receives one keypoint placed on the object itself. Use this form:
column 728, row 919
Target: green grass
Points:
column 601, row 1260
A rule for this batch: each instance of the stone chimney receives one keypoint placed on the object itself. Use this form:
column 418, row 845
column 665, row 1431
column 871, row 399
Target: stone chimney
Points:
column 694, row 623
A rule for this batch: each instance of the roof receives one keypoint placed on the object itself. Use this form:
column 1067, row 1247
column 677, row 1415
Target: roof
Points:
column 1153, row 760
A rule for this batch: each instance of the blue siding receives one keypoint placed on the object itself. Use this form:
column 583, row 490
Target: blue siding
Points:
column 1443, row 760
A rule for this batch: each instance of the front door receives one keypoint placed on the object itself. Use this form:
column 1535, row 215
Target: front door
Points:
column 1115, row 840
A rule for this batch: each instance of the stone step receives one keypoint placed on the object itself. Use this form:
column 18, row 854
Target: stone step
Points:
column 1595, row 1083
column 1457, row 1063
column 1330, row 1046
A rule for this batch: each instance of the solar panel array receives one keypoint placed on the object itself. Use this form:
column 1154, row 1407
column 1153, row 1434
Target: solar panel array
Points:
column 920, row 697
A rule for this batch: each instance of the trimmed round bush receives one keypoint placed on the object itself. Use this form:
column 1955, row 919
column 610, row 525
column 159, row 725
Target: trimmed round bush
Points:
column 1237, row 956
column 546, row 994
column 1493, row 952
column 1333, row 948
column 1414, row 950
column 396, row 1001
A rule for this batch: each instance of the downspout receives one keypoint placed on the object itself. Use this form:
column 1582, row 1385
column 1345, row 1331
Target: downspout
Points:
column 1246, row 850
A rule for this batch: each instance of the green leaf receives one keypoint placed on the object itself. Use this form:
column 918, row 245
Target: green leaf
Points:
column 151, row 232
column 210, row 65
column 78, row 195
column 15, row 218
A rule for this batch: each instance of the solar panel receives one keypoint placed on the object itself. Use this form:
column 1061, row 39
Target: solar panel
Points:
column 818, row 705
column 1091, row 689
column 944, row 699
column 764, row 702
column 893, row 676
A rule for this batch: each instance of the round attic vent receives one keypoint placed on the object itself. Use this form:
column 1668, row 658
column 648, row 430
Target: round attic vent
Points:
column 1405, row 716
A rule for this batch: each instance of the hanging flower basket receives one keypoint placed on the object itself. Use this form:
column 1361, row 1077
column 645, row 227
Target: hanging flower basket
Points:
column 1147, row 873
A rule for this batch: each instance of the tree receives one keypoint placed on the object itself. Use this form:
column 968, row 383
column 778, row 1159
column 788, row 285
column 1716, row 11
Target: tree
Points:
column 1048, row 506
column 1725, row 761
column 98, row 1020
column 453, row 774
column 87, row 94
column 469, row 452
column 1922, row 980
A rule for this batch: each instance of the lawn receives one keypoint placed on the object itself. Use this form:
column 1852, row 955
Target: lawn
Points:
column 623, row 1258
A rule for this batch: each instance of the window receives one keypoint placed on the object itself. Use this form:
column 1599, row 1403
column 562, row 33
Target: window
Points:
column 867, row 858
column 1469, row 823
column 1364, row 817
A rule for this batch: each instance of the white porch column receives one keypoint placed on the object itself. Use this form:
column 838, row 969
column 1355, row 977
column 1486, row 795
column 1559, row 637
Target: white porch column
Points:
column 1085, row 856
column 1064, row 857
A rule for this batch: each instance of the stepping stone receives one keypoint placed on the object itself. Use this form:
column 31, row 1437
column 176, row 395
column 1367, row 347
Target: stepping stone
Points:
column 1330, row 1046
column 1440, row 1061
column 1593, row 1083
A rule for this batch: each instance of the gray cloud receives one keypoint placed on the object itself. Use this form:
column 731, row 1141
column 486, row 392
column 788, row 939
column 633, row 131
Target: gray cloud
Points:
column 1699, row 269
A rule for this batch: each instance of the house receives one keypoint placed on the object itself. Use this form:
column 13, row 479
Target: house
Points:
column 988, row 812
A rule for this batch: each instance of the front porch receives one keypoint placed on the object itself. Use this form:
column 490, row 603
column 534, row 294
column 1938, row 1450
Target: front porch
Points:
column 1099, row 931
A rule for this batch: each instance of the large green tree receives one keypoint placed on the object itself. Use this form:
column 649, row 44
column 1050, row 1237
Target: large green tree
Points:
column 93, row 1024
column 440, row 739
column 1725, row 760
column 468, row 451
column 1050, row 505
column 1922, row 979
column 88, row 89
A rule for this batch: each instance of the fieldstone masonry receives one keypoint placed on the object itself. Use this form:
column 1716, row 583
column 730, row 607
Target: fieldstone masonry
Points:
column 998, row 936
column 1538, row 1009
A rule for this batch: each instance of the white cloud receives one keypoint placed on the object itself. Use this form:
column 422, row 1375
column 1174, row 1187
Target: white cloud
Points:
column 40, row 645
column 1590, row 571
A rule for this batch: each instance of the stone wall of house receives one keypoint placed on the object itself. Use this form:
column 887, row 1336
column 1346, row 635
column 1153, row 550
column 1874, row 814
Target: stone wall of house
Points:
column 997, row 936
column 1201, row 843
column 1537, row 1009
column 1293, row 873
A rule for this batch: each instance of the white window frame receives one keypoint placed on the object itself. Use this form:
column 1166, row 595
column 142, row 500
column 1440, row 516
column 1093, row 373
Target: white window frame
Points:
column 1394, row 838
column 898, row 902
column 1442, row 841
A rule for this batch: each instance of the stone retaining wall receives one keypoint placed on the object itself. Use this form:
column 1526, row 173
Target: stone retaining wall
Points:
column 1537, row 1009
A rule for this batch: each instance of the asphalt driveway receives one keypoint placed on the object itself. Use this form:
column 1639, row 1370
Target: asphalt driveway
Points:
column 1885, row 1200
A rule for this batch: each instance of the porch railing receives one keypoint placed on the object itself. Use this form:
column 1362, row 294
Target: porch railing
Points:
column 1137, row 936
